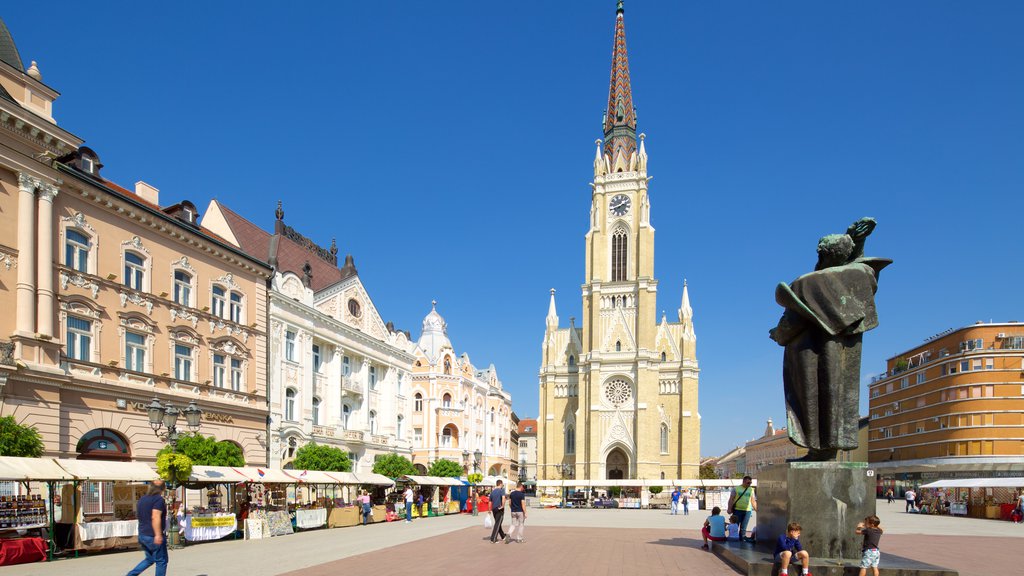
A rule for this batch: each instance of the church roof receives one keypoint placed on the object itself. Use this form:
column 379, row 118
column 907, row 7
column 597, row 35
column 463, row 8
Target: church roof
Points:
column 8, row 50
column 435, row 334
column 620, row 117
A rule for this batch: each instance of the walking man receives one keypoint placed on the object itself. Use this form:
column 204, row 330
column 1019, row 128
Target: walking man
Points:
column 686, row 502
column 910, row 496
column 152, row 514
column 742, row 503
column 675, row 500
column 408, row 502
column 498, row 511
column 515, row 501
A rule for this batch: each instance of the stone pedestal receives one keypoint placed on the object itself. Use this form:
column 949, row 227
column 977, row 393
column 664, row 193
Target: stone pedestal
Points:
column 827, row 499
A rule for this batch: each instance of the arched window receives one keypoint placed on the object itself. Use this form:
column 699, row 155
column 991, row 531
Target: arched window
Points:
column 346, row 411
column 182, row 288
column 218, row 301
column 618, row 346
column 570, row 439
column 663, row 356
column 417, row 404
column 289, row 405
column 446, row 400
column 398, row 426
column 134, row 270
column 316, row 411
column 76, row 251
column 373, row 422
column 572, row 360
column 664, row 438
column 619, row 256
column 449, row 437
column 492, row 415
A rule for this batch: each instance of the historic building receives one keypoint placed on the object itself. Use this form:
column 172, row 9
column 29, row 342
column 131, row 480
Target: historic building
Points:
column 338, row 374
column 773, row 447
column 951, row 406
column 457, row 409
column 115, row 298
column 618, row 394
column 528, row 449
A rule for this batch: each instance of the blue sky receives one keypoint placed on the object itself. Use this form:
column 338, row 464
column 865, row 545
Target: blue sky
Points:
column 448, row 147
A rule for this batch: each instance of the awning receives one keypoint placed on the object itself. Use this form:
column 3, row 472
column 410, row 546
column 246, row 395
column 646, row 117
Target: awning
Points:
column 577, row 483
column 268, row 476
column 723, row 483
column 374, row 478
column 106, row 471
column 489, row 481
column 548, row 483
column 313, row 477
column 216, row 475
column 431, row 480
column 37, row 469
column 344, row 477
column 977, row 483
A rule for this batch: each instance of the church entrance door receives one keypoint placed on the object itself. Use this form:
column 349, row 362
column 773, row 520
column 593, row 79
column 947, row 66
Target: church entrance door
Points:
column 617, row 465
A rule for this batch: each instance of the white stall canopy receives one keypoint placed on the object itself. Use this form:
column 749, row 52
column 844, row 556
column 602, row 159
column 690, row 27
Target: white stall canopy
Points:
column 374, row 478
column 314, row 477
column 216, row 474
column 268, row 476
column 977, row 483
column 106, row 471
column 35, row 469
column 431, row 480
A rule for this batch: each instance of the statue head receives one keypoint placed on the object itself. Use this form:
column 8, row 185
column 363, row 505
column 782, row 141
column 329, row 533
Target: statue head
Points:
column 834, row 250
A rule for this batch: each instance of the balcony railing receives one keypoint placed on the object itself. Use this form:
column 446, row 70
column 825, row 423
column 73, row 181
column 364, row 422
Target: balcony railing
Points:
column 325, row 431
column 352, row 436
column 349, row 384
column 380, row 440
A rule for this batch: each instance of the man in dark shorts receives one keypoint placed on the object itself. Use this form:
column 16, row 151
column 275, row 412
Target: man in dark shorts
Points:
column 498, row 511
column 152, row 514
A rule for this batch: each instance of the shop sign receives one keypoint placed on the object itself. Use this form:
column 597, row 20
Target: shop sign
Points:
column 207, row 415
column 213, row 521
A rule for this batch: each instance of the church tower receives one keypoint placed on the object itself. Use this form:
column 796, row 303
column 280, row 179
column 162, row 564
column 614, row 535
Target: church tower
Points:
column 618, row 395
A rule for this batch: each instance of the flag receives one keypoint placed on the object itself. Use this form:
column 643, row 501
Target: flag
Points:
column 261, row 472
column 303, row 473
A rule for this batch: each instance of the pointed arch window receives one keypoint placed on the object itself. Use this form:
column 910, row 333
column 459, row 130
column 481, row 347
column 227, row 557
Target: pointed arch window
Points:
column 570, row 439
column 664, row 438
column 572, row 360
column 618, row 346
column 619, row 242
column 663, row 356
column 446, row 400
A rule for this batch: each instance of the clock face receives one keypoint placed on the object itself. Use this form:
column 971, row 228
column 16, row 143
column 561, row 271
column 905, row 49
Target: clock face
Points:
column 619, row 205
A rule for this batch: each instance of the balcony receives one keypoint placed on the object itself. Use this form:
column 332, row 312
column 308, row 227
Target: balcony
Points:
column 324, row 431
column 380, row 440
column 350, row 386
column 352, row 436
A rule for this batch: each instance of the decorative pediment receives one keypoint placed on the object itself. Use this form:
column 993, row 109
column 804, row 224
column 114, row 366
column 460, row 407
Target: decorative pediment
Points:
column 77, row 220
column 135, row 244
column 229, row 346
column 186, row 315
column 184, row 264
column 80, row 281
column 228, row 280
column 136, row 321
column 137, row 299
column 80, row 308
column 183, row 334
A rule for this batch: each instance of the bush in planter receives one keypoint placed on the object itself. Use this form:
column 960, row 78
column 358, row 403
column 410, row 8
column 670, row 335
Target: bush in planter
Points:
column 615, row 491
column 655, row 490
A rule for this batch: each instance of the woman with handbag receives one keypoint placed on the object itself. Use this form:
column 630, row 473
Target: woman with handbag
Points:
column 742, row 503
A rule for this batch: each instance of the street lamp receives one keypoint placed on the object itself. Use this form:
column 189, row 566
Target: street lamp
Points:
column 477, row 455
column 163, row 419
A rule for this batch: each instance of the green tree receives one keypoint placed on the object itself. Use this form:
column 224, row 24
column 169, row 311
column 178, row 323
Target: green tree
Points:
column 445, row 469
column 475, row 478
column 315, row 456
column 207, row 451
column 174, row 467
column 393, row 466
column 19, row 440
column 707, row 472
column 656, row 489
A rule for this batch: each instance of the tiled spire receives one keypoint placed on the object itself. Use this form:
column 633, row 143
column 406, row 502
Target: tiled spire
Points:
column 620, row 117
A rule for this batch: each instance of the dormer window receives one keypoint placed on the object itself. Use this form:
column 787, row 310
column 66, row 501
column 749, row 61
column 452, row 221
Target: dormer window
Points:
column 87, row 165
column 188, row 215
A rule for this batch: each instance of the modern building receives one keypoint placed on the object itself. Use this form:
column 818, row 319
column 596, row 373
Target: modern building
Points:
column 338, row 374
column 115, row 297
column 528, row 448
column 457, row 409
column 618, row 394
column 951, row 407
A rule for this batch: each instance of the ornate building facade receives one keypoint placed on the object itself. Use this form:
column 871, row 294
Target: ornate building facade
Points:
column 114, row 298
column 457, row 409
column 618, row 394
column 338, row 374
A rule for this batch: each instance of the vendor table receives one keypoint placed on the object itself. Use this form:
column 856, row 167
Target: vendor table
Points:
column 958, row 509
column 344, row 516
column 204, row 527
column 100, row 530
column 314, row 518
column 22, row 551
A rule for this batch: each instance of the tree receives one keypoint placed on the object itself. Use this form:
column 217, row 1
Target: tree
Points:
column 475, row 478
column 393, row 466
column 19, row 440
column 707, row 472
column 656, row 490
column 445, row 469
column 315, row 456
column 207, row 451
column 179, row 464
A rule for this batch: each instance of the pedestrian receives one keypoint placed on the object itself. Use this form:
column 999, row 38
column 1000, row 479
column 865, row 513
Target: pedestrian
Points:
column 419, row 503
column 408, row 502
column 367, row 507
column 869, row 554
column 685, row 498
column 675, row 501
column 910, row 497
column 732, row 529
column 498, row 512
column 918, row 496
column 152, row 514
column 889, row 495
column 788, row 548
column 515, row 502
column 714, row 527
column 742, row 502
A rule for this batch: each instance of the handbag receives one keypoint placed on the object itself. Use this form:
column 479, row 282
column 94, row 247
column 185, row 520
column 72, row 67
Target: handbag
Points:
column 489, row 521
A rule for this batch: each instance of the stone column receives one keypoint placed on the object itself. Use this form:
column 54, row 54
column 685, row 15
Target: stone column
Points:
column 25, row 323
column 44, row 283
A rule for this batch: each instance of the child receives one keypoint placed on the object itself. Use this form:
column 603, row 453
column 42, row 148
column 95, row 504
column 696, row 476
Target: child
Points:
column 733, row 528
column 869, row 550
column 789, row 547
column 714, row 527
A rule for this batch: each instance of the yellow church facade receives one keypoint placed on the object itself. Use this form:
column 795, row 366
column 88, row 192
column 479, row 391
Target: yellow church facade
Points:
column 618, row 394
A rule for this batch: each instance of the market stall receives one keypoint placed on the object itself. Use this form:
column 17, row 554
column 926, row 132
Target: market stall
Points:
column 212, row 512
column 549, row 493
column 264, row 503
column 315, row 497
column 26, row 520
column 992, row 498
column 435, row 490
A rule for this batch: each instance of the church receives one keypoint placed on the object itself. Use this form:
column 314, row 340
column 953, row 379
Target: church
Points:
column 618, row 394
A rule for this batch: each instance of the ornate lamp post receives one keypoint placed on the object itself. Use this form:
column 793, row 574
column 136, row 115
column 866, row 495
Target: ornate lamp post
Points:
column 477, row 456
column 163, row 418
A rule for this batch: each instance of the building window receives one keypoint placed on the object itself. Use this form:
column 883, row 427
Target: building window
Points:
column 446, row 437
column 904, row 382
column 219, row 370
column 135, row 351
column 182, row 362
column 76, row 251
column 218, row 301
column 236, row 308
column 446, row 400
column 373, row 422
column 417, row 436
column 346, row 411
column 417, row 403
column 618, row 346
column 289, row 346
column 990, row 364
column 572, row 361
column 969, row 345
column 619, row 242
column 79, row 339
column 316, row 358
column 492, row 415
column 316, row 411
column 663, row 356
column 965, row 365
column 182, row 288
column 920, row 377
column 664, row 438
column 398, row 426
column 134, row 270
column 373, row 377
column 236, row 374
column 289, row 405
column 570, row 439
column 87, row 165
column 346, row 366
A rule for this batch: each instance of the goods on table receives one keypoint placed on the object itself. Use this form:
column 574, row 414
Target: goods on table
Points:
column 22, row 512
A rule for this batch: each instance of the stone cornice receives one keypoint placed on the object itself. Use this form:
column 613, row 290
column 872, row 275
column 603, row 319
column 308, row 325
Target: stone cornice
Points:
column 36, row 129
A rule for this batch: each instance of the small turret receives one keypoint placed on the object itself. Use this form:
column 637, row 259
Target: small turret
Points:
column 552, row 319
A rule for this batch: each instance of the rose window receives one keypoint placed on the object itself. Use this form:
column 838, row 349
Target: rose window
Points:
column 617, row 392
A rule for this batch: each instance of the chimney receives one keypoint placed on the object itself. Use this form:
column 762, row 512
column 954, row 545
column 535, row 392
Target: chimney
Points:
column 147, row 192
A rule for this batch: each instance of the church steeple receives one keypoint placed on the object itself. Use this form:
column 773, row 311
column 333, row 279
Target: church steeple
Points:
column 620, row 117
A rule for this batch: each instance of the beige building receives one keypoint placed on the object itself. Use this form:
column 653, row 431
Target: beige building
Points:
column 618, row 394
column 528, row 448
column 773, row 447
column 115, row 297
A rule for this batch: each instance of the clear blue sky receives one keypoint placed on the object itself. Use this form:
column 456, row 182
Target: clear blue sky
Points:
column 448, row 146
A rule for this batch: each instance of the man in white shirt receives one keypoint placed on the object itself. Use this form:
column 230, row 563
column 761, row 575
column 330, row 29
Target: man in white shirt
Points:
column 910, row 496
column 408, row 503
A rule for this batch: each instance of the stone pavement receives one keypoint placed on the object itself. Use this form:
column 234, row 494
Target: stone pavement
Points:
column 559, row 542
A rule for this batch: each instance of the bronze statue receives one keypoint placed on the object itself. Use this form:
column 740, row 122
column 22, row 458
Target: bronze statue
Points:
column 827, row 312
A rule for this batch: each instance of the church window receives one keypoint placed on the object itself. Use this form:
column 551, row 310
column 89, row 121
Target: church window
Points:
column 446, row 400
column 619, row 256
column 570, row 439
column 572, row 360
column 664, row 438
column 618, row 346
column 418, row 403
column 618, row 392
column 663, row 356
